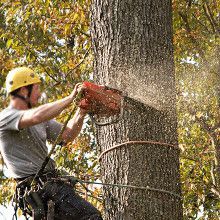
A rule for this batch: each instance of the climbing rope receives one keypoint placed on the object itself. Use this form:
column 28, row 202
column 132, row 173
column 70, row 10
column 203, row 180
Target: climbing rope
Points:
column 137, row 143
column 132, row 186
column 135, row 187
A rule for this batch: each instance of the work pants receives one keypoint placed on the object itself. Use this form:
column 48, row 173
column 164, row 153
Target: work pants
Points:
column 68, row 204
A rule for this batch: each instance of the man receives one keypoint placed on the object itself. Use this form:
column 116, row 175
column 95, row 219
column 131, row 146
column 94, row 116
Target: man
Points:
column 24, row 130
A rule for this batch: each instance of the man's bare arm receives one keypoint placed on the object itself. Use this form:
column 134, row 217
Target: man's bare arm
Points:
column 47, row 111
column 74, row 126
column 43, row 113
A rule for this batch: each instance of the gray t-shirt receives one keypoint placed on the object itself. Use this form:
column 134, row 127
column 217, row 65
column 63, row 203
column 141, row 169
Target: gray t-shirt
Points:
column 25, row 150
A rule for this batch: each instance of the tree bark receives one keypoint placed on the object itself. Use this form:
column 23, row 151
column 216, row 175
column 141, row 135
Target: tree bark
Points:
column 132, row 42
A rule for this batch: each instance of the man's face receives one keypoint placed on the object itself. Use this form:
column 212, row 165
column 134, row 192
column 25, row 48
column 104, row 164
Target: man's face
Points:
column 35, row 95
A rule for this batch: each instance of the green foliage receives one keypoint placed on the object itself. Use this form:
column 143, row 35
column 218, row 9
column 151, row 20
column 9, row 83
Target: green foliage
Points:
column 196, row 41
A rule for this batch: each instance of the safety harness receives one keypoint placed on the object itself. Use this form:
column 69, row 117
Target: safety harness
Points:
column 28, row 199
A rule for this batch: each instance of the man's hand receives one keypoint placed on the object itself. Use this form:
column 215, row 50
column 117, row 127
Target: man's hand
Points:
column 77, row 89
column 83, row 112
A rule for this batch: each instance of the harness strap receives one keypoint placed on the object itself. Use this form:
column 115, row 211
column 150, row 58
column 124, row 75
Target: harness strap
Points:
column 26, row 99
column 36, row 204
column 28, row 200
column 27, row 197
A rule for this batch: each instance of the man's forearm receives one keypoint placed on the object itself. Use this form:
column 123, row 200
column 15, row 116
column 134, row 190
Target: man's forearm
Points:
column 44, row 112
column 74, row 126
column 51, row 110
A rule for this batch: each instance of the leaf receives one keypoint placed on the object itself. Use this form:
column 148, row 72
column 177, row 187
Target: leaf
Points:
column 9, row 43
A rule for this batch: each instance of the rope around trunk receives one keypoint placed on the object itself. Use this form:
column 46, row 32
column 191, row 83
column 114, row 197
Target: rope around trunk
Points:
column 135, row 187
column 131, row 186
column 136, row 143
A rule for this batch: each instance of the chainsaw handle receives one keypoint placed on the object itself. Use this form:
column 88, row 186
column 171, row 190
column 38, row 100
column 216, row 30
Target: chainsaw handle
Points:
column 112, row 89
column 113, row 121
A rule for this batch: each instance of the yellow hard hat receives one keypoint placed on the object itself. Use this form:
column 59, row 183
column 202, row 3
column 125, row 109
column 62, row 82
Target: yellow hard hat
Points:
column 19, row 77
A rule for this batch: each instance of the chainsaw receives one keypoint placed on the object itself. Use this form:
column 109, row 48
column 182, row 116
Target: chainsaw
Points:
column 101, row 101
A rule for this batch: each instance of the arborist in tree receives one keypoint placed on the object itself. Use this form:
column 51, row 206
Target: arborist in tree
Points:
column 24, row 130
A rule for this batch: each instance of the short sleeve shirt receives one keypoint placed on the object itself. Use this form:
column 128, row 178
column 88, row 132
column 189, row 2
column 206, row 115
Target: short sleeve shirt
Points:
column 24, row 150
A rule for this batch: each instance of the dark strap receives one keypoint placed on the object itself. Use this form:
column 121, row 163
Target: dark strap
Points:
column 36, row 204
column 27, row 100
column 44, row 177
column 32, row 197
column 22, row 178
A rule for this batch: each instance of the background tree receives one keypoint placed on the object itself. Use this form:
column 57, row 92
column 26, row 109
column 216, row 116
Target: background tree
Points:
column 196, row 25
column 133, row 53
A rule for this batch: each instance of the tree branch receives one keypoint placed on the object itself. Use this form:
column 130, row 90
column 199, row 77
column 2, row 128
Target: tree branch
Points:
column 212, row 173
column 203, row 25
column 77, row 65
column 215, row 191
column 216, row 146
column 205, row 9
column 189, row 32
column 212, row 18
column 33, row 52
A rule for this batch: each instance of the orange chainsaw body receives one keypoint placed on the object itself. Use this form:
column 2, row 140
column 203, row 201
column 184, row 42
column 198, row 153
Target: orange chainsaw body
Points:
column 100, row 100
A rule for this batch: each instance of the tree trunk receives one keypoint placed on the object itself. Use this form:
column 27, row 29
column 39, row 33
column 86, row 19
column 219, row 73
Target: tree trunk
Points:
column 216, row 143
column 132, row 42
column 217, row 139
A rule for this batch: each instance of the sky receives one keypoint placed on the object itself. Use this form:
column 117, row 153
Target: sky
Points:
column 6, row 213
